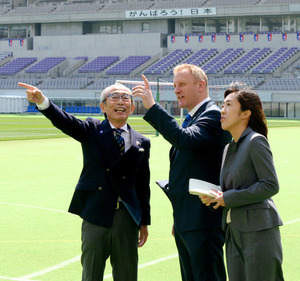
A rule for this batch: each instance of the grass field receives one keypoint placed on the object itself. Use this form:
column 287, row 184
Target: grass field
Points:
column 39, row 240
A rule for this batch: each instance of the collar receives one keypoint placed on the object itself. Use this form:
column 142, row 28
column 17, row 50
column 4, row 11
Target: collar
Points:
column 247, row 131
column 194, row 110
column 125, row 127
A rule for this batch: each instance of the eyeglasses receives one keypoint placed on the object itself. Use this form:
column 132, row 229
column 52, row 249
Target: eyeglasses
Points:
column 115, row 97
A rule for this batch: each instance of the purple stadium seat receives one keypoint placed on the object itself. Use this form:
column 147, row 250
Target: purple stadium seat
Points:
column 99, row 64
column 45, row 65
column 128, row 65
column 16, row 65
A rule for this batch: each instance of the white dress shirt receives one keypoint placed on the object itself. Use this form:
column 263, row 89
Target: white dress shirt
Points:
column 193, row 111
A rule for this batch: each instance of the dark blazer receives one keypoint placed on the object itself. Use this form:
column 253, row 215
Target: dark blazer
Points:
column 249, row 180
column 106, row 174
column 196, row 153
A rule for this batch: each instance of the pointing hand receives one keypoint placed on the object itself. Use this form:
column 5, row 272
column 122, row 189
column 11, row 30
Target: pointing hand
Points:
column 34, row 95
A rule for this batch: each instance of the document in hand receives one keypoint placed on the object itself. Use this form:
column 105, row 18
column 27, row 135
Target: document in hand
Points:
column 199, row 187
column 163, row 184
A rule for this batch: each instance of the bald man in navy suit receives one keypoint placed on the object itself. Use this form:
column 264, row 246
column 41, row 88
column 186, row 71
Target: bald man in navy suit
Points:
column 112, row 195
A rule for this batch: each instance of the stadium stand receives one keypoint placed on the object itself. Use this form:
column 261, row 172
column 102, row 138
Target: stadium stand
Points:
column 102, row 44
column 128, row 65
column 32, row 9
column 275, row 60
column 222, row 60
column 248, row 61
column 82, row 109
column 168, row 61
column 202, row 56
column 114, row 6
column 65, row 83
column 282, row 84
column 79, row 7
column 101, row 84
column 45, row 65
column 5, row 55
column 12, row 82
column 99, row 64
column 16, row 65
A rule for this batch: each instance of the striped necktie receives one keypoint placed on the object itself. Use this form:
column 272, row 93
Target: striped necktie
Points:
column 120, row 140
column 186, row 120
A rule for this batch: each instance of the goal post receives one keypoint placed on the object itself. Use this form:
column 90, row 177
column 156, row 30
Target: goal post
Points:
column 164, row 94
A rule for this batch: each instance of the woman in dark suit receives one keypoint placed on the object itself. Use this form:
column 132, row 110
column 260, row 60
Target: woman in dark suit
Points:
column 248, row 180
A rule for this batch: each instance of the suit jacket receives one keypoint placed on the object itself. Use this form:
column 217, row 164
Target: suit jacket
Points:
column 196, row 153
column 248, row 179
column 106, row 174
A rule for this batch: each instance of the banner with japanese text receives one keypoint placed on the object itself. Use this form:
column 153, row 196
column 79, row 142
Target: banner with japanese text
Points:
column 162, row 13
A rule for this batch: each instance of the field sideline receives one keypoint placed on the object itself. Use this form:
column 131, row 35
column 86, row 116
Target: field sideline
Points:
column 39, row 240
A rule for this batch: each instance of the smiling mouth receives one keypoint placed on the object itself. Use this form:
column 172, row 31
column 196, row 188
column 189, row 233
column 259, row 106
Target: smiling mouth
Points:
column 119, row 110
column 180, row 97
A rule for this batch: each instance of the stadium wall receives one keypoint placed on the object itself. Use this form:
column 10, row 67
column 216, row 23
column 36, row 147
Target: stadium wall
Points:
column 134, row 44
column 86, row 45
column 248, row 42
column 13, row 104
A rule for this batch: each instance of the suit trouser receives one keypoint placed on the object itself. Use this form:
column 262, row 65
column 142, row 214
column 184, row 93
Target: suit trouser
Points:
column 201, row 254
column 120, row 242
column 254, row 256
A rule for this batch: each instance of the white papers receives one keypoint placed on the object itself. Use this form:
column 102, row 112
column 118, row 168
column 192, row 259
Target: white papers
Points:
column 199, row 187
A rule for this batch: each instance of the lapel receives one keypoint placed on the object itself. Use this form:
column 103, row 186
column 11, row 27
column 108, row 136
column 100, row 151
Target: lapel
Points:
column 107, row 139
column 200, row 110
column 135, row 140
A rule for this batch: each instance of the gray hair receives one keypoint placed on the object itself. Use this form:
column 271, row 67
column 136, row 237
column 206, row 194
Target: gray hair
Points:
column 108, row 89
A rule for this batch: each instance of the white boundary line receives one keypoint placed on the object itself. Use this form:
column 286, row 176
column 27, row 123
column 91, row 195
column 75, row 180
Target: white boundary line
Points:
column 76, row 259
column 290, row 222
column 149, row 263
column 16, row 279
column 35, row 207
column 52, row 268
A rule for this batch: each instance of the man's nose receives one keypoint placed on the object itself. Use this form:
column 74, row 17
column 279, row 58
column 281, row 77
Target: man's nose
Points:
column 120, row 99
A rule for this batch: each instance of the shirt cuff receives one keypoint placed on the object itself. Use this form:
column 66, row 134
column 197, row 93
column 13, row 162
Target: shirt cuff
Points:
column 44, row 105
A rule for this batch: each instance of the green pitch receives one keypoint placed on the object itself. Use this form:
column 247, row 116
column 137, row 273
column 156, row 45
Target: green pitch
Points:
column 39, row 240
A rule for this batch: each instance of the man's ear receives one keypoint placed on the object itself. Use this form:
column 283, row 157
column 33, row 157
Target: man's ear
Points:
column 132, row 109
column 103, row 107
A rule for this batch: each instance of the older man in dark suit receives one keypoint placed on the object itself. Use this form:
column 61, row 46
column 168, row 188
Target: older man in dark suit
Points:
column 112, row 195
column 196, row 153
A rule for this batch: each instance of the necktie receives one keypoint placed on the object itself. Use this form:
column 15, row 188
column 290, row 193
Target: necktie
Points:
column 120, row 140
column 186, row 120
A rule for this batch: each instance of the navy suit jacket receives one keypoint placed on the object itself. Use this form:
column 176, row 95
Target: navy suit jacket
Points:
column 106, row 174
column 196, row 153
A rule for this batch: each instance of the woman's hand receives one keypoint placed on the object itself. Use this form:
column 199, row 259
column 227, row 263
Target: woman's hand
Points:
column 217, row 198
